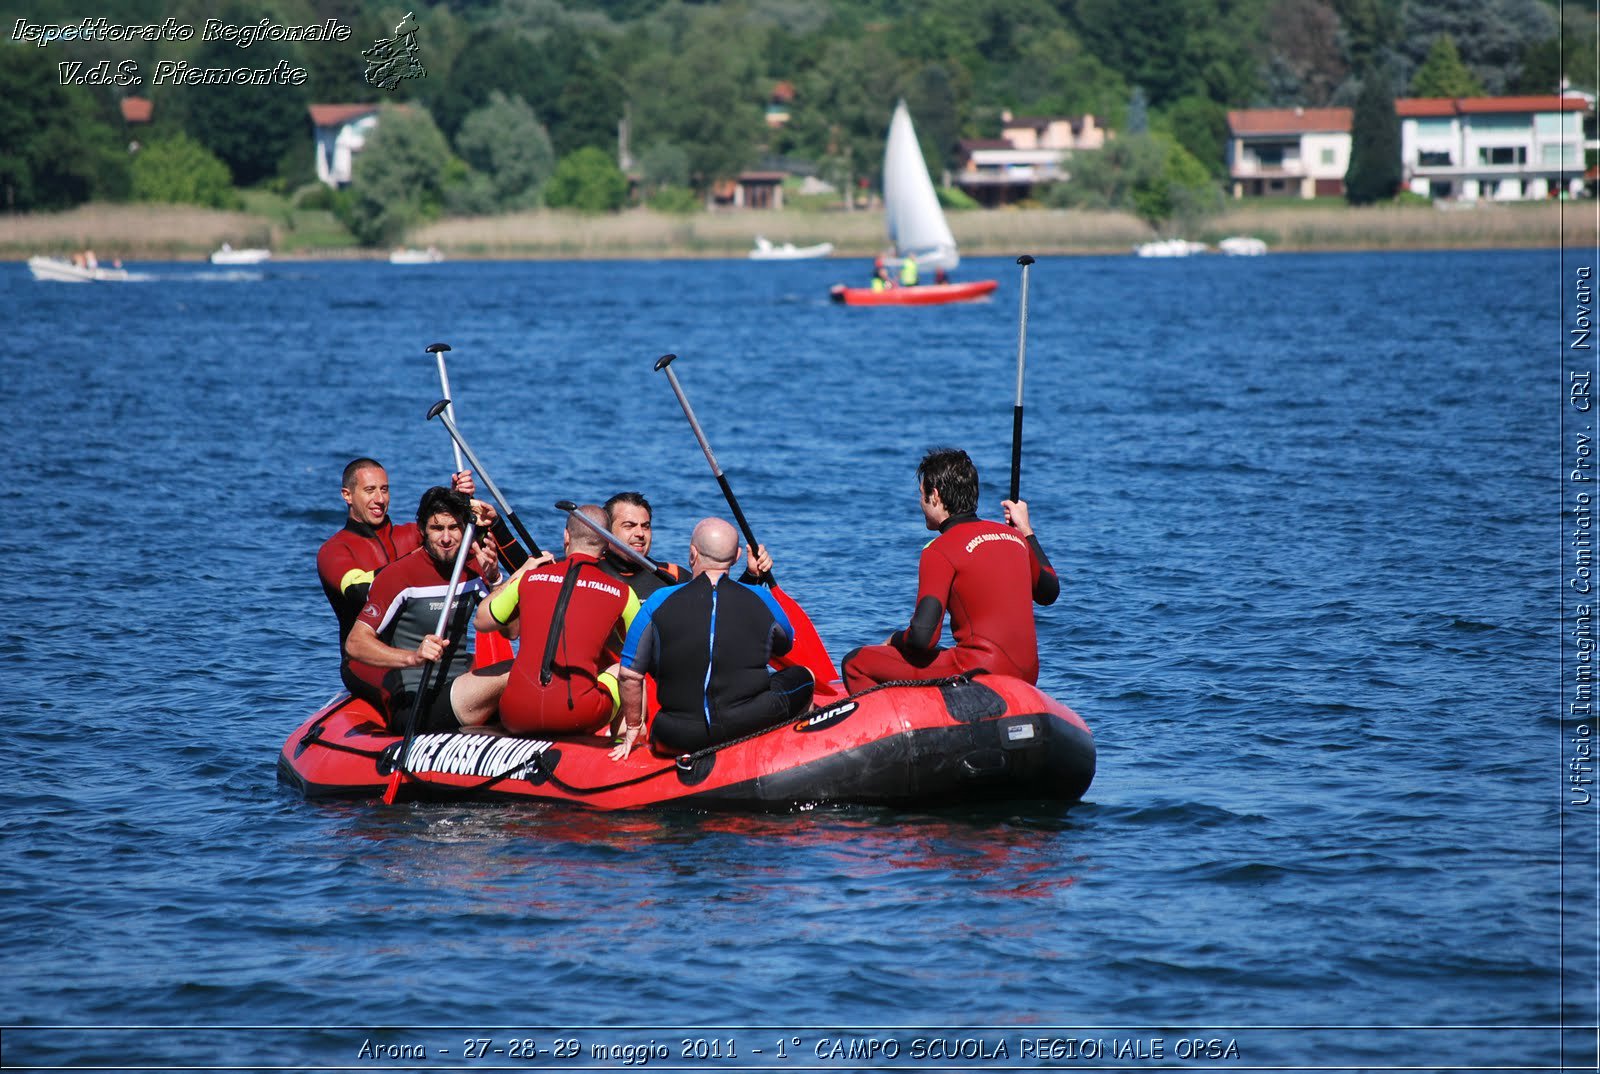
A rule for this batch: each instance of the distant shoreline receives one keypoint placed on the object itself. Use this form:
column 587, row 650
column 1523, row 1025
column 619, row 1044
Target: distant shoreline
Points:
column 168, row 233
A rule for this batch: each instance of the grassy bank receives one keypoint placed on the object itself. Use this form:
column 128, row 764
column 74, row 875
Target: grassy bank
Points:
column 145, row 232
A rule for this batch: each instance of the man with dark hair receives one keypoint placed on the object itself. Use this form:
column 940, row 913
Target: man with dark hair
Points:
column 630, row 520
column 708, row 643
column 394, row 637
column 986, row 575
column 571, row 617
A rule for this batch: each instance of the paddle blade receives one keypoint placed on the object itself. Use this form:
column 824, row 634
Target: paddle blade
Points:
column 392, row 791
column 808, row 651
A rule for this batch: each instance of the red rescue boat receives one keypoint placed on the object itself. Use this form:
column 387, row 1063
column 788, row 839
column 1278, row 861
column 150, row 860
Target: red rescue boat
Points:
column 936, row 743
column 923, row 294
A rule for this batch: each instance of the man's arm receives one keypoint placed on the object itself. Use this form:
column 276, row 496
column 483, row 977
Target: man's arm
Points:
column 1046, row 586
column 631, row 687
column 364, row 645
column 934, row 575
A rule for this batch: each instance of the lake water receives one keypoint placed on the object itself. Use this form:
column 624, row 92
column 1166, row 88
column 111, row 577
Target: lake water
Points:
column 1314, row 524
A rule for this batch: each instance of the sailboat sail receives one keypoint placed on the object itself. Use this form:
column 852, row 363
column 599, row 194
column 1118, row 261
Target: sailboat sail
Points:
column 911, row 208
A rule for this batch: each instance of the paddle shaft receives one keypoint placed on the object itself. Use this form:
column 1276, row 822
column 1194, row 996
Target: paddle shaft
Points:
column 626, row 551
column 438, row 350
column 722, row 480
column 442, row 409
column 1016, row 411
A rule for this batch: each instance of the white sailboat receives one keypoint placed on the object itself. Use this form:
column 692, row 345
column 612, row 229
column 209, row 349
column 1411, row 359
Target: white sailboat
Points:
column 917, row 228
column 910, row 206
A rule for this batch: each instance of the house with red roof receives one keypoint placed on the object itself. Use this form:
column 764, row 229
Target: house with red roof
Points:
column 1288, row 152
column 341, row 132
column 1492, row 148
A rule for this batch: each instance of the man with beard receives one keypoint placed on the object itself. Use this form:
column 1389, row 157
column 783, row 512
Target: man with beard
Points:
column 393, row 637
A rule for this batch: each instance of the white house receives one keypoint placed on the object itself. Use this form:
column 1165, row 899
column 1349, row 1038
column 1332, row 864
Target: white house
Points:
column 341, row 132
column 1288, row 152
column 1030, row 152
column 1492, row 148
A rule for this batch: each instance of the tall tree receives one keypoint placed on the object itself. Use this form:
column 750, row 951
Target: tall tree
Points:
column 182, row 171
column 56, row 148
column 1443, row 74
column 1492, row 35
column 1374, row 172
column 398, row 178
column 1303, row 42
column 506, row 142
column 250, row 128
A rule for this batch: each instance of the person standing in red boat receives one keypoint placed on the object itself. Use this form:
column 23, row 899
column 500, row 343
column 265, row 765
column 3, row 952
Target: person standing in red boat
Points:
column 572, row 617
column 987, row 576
column 394, row 637
column 348, row 561
column 708, row 643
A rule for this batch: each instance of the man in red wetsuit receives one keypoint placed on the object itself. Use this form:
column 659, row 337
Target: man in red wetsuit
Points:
column 571, row 617
column 394, row 636
column 986, row 575
column 369, row 541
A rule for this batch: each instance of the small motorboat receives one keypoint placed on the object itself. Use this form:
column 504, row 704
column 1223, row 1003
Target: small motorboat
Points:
column 1170, row 248
column 61, row 270
column 766, row 251
column 411, row 256
column 227, row 255
column 943, row 742
column 1242, row 246
column 922, row 294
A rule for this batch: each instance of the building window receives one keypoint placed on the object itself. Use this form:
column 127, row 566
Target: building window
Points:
column 1434, row 158
column 1270, row 155
column 1327, row 156
column 1502, row 154
column 1437, row 189
column 1558, row 156
column 1435, row 127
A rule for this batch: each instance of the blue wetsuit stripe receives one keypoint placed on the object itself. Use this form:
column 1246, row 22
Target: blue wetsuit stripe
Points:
column 711, row 658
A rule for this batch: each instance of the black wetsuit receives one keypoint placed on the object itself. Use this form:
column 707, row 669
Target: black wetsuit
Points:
column 643, row 582
column 708, row 647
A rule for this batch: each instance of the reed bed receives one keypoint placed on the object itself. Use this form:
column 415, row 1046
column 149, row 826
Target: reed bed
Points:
column 176, row 232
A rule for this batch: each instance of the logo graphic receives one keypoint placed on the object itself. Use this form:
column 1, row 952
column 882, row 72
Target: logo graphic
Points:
column 826, row 718
column 391, row 59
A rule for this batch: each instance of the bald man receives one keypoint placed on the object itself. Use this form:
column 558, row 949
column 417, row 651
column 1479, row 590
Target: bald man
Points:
column 708, row 643
column 572, row 617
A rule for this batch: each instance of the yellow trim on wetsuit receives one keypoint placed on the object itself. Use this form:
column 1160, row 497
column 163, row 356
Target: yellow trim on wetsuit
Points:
column 612, row 687
column 356, row 576
column 504, row 604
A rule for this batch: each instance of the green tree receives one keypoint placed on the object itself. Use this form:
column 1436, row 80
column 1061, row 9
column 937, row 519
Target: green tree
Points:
column 587, row 180
column 1374, row 173
column 56, row 148
column 250, row 128
column 842, row 110
column 1200, row 125
column 398, row 179
column 1491, row 35
column 1443, row 74
column 1150, row 175
column 506, row 142
column 180, row 170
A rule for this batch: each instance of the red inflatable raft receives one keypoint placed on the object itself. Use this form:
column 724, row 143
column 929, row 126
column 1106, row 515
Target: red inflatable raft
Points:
column 923, row 294
column 942, row 743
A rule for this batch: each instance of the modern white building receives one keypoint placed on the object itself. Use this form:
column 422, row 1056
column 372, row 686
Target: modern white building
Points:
column 1492, row 148
column 1288, row 152
column 341, row 133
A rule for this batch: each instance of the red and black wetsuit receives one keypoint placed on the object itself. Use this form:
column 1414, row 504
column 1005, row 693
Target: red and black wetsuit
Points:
column 988, row 577
column 403, row 607
column 641, row 581
column 562, row 689
column 347, row 561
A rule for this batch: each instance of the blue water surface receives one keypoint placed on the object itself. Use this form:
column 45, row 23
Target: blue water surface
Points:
column 1306, row 509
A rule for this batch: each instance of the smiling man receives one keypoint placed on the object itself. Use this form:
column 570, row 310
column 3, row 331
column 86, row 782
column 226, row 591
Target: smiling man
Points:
column 630, row 520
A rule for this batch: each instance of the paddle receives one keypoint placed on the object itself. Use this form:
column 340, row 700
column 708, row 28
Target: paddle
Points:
column 397, row 774
column 1016, row 411
column 504, row 540
column 808, row 648
column 441, row 410
column 626, row 551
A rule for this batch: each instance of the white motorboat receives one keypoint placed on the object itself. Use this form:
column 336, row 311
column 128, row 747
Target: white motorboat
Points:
column 1170, row 248
column 227, row 255
column 1242, row 246
column 60, row 270
column 766, row 250
column 410, row 256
